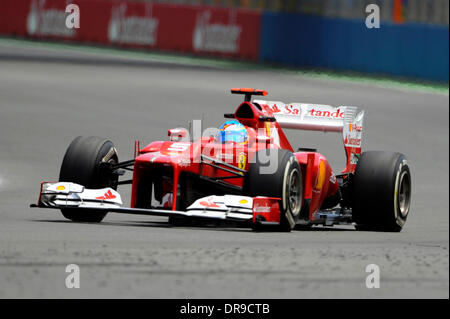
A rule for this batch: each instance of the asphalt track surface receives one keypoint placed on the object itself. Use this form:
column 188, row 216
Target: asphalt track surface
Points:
column 48, row 97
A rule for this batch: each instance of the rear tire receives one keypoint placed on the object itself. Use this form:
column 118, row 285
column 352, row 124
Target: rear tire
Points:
column 285, row 183
column 81, row 165
column 381, row 192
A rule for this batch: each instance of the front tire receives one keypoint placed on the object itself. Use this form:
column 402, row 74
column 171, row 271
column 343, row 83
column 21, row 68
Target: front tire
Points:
column 82, row 165
column 285, row 182
column 381, row 197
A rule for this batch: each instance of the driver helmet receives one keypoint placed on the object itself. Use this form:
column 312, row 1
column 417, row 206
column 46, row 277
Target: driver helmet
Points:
column 232, row 132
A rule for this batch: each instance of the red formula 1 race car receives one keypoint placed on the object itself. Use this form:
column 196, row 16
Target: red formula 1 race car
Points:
column 246, row 171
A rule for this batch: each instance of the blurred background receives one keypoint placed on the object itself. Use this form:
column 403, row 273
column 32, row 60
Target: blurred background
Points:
column 134, row 69
column 411, row 42
column 400, row 11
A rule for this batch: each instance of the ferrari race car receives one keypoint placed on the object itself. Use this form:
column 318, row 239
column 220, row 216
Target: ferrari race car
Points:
column 246, row 172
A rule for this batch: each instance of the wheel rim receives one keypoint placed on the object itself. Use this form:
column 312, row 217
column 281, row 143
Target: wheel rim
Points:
column 404, row 194
column 109, row 178
column 294, row 192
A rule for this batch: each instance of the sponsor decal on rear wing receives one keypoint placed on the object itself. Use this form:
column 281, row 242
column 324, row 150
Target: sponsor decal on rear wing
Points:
column 305, row 116
column 325, row 118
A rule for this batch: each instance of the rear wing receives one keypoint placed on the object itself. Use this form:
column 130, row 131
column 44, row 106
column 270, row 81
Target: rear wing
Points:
column 325, row 118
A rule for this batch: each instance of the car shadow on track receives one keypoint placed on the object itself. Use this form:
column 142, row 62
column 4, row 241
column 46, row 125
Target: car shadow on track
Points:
column 164, row 224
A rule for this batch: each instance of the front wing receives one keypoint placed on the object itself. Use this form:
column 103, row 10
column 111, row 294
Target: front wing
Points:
column 241, row 209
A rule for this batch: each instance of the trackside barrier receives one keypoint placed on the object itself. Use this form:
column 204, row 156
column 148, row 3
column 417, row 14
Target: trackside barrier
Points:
column 409, row 50
column 193, row 29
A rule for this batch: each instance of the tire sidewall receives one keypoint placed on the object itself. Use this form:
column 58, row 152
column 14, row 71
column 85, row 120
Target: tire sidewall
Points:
column 276, row 184
column 375, row 199
column 291, row 166
column 402, row 168
column 81, row 165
